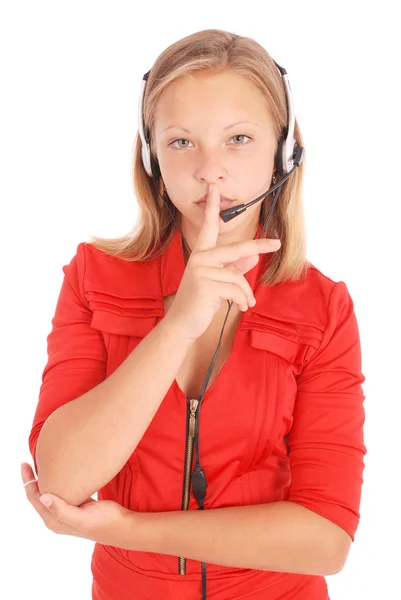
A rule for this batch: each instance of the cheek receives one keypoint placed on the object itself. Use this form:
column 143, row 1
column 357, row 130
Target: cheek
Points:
column 166, row 161
column 262, row 166
column 255, row 179
column 251, row 167
column 175, row 174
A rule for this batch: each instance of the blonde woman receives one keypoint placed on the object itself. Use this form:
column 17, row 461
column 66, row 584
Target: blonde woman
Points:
column 203, row 377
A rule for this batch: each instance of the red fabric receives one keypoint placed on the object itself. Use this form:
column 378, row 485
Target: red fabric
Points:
column 282, row 421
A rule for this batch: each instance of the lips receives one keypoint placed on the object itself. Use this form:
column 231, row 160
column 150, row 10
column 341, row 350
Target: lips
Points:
column 222, row 199
column 223, row 204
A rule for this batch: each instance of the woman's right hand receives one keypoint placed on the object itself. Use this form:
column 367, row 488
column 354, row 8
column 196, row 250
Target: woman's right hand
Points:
column 214, row 274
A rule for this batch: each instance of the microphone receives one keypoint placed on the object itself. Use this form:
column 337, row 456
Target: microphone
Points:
column 231, row 213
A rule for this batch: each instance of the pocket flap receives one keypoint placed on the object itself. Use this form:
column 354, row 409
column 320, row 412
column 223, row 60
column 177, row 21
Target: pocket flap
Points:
column 291, row 341
column 265, row 340
column 124, row 316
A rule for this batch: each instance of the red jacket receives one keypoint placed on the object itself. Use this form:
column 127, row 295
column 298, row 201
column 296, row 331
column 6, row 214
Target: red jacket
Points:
column 293, row 431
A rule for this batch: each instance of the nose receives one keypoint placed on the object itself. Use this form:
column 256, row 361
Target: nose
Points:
column 210, row 167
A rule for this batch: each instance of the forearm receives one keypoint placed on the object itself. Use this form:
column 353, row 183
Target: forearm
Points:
column 280, row 536
column 86, row 442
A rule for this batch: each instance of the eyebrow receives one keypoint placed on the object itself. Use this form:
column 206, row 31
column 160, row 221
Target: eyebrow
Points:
column 225, row 128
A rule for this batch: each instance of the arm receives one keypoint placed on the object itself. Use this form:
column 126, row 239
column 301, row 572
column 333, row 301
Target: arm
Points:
column 87, row 437
column 280, row 536
column 311, row 532
column 326, row 439
column 87, row 441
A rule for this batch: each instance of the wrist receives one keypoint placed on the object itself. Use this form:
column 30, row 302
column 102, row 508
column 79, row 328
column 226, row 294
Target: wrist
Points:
column 141, row 531
column 130, row 531
column 172, row 330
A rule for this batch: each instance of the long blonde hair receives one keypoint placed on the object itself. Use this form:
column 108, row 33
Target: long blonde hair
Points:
column 215, row 50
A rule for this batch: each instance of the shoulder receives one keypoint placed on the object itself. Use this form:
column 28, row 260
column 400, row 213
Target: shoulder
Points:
column 97, row 271
column 307, row 301
column 123, row 296
column 334, row 294
column 323, row 293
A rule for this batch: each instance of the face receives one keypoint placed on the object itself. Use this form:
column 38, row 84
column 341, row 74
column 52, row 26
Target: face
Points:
column 196, row 143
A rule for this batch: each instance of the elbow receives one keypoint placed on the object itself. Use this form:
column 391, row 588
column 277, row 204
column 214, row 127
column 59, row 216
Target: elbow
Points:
column 338, row 553
column 334, row 569
column 46, row 483
column 50, row 481
column 69, row 495
column 54, row 474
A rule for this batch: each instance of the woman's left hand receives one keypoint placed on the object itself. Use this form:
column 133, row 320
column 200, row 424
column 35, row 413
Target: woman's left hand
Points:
column 101, row 521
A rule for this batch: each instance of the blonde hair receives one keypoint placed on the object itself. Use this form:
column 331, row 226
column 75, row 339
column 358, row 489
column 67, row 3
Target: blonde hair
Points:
column 214, row 50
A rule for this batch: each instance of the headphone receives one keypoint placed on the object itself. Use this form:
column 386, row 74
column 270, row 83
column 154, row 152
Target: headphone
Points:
column 288, row 157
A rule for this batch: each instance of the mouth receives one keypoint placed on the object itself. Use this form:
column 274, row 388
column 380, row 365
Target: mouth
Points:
column 224, row 201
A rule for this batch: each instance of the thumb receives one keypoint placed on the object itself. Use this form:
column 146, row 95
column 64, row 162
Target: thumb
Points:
column 47, row 500
column 61, row 510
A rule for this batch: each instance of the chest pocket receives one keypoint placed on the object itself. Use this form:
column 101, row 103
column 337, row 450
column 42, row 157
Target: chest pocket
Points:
column 284, row 345
column 123, row 321
column 292, row 341
column 287, row 345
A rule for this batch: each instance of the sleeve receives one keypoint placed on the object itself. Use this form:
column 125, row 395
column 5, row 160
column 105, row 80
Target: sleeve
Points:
column 77, row 355
column 327, row 440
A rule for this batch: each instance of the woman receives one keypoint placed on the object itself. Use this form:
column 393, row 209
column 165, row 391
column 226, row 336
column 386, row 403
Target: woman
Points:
column 225, row 441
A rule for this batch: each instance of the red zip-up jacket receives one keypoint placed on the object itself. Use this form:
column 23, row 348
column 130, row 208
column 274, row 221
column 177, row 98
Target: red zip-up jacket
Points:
column 282, row 421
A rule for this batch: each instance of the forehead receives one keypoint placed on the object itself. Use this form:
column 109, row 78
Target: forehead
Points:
column 220, row 98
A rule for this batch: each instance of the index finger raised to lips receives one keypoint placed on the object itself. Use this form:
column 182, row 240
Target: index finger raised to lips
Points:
column 209, row 231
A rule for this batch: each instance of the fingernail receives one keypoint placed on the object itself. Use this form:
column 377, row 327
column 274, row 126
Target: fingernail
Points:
column 276, row 242
column 46, row 500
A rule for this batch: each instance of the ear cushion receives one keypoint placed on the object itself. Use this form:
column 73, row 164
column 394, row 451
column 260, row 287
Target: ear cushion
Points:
column 154, row 165
column 280, row 155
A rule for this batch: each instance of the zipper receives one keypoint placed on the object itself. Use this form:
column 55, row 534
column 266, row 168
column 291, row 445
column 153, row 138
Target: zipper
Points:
column 192, row 405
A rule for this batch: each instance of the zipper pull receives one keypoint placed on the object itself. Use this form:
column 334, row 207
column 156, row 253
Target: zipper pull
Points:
column 193, row 405
column 199, row 485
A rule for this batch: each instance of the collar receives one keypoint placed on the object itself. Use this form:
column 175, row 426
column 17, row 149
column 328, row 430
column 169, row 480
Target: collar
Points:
column 172, row 265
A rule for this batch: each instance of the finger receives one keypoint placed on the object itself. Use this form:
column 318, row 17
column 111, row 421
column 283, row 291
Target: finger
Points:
column 230, row 276
column 33, row 493
column 28, row 476
column 231, row 253
column 209, row 231
column 62, row 511
column 32, row 488
column 243, row 265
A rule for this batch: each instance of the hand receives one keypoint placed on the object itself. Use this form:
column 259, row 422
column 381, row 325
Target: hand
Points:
column 101, row 521
column 214, row 274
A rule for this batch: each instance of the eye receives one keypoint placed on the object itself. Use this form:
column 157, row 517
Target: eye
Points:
column 179, row 140
column 239, row 135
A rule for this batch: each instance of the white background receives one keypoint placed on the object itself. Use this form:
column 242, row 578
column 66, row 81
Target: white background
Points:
column 70, row 78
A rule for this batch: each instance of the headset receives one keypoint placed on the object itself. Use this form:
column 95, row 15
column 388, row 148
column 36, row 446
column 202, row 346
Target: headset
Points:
column 289, row 156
